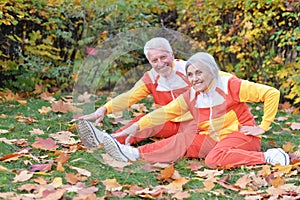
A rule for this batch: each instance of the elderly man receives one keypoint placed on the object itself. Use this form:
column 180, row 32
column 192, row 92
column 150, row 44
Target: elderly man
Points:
column 165, row 82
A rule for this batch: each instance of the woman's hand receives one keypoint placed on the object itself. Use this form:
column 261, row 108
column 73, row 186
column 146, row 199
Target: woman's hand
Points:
column 98, row 115
column 129, row 132
column 252, row 130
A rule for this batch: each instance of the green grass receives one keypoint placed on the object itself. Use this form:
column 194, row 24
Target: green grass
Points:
column 131, row 175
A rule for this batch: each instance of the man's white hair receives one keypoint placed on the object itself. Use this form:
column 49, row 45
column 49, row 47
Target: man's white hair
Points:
column 157, row 43
column 202, row 58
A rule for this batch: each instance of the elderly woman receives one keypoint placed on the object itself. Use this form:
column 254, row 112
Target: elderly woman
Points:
column 218, row 105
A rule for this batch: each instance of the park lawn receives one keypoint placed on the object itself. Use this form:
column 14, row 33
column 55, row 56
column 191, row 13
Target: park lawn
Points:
column 42, row 157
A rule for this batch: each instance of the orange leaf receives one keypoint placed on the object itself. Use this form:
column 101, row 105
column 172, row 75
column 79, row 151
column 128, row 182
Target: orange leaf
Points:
column 73, row 178
column 288, row 147
column 243, row 181
column 277, row 181
column 112, row 185
column 46, row 144
column 44, row 110
column 59, row 167
column 176, row 185
column 61, row 106
column 167, row 172
column 209, row 183
column 63, row 158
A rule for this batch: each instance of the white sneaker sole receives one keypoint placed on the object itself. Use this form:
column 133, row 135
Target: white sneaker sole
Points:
column 113, row 149
column 88, row 134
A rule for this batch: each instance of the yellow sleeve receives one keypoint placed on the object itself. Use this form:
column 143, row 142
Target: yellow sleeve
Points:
column 125, row 100
column 175, row 108
column 254, row 92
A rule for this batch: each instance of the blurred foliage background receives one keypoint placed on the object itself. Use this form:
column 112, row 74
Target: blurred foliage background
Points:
column 44, row 42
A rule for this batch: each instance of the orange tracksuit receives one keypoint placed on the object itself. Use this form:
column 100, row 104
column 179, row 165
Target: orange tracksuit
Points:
column 218, row 114
column 163, row 91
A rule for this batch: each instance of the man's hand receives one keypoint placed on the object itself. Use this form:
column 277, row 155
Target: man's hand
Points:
column 252, row 130
column 98, row 115
column 129, row 132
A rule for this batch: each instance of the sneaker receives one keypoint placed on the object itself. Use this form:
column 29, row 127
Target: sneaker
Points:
column 277, row 156
column 119, row 151
column 91, row 137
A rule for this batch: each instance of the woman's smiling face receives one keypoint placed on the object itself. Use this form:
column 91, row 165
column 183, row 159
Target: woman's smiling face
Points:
column 199, row 76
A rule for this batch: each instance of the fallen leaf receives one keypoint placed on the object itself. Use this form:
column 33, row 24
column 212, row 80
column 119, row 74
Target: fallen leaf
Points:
column 209, row 173
column 26, row 120
column 112, row 185
column 46, row 96
column 73, row 178
column 107, row 159
column 288, row 147
column 23, row 176
column 176, row 185
column 194, row 166
column 40, row 167
column 45, row 144
column 181, row 195
column 36, row 131
column 3, row 131
column 81, row 171
column 243, row 181
column 3, row 169
column 209, row 184
column 60, row 106
column 281, row 118
column 44, row 110
column 54, row 194
column 295, row 126
column 167, row 173
column 22, row 102
column 64, row 137
column 57, row 182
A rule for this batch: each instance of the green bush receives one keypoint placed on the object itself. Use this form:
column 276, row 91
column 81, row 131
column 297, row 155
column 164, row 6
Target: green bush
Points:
column 42, row 42
column 257, row 40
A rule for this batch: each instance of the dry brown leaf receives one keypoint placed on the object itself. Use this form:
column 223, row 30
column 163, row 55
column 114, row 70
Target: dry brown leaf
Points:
column 295, row 126
column 46, row 96
column 44, row 110
column 81, row 171
column 27, row 120
column 62, row 158
column 209, row 173
column 194, row 166
column 107, row 159
column 209, row 184
column 60, row 106
column 36, row 131
column 40, row 167
column 23, row 176
column 176, row 185
column 73, row 178
column 46, row 144
column 181, row 195
column 64, row 137
column 243, row 181
column 167, row 173
column 54, row 194
column 59, row 167
column 288, row 147
column 112, row 185
column 40, row 180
